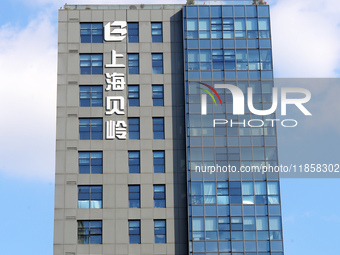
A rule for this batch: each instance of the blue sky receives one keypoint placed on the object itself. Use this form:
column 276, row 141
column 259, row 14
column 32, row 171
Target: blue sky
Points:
column 306, row 44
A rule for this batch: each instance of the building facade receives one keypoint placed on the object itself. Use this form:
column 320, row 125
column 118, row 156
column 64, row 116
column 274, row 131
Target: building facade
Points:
column 140, row 163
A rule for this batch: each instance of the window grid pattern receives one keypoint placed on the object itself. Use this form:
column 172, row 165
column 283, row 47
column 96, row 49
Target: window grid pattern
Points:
column 134, row 231
column 91, row 129
column 133, row 63
column 91, row 96
column 238, row 213
column 158, row 127
column 91, row 63
column 158, row 95
column 90, row 196
column 156, row 32
column 157, row 63
column 90, row 162
column 133, row 32
column 159, row 161
column 159, row 195
column 134, row 196
column 134, row 162
column 89, row 231
column 160, row 231
column 91, row 32
column 133, row 95
column 134, row 131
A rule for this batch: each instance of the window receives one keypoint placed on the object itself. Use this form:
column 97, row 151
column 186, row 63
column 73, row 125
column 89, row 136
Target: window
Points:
column 158, row 161
column 133, row 32
column 133, row 63
column 158, row 128
column 133, row 95
column 134, row 196
column 156, row 32
column 134, row 162
column 90, row 196
column 157, row 63
column 90, row 96
column 159, row 196
column 89, row 231
column 133, row 128
column 91, row 63
column 90, row 162
column 160, row 231
column 91, row 129
column 158, row 95
column 91, row 32
column 134, row 231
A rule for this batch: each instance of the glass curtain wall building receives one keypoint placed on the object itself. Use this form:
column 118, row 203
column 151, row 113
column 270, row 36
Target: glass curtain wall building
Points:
column 140, row 166
column 230, row 212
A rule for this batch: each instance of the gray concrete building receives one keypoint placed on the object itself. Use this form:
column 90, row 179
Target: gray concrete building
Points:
column 131, row 131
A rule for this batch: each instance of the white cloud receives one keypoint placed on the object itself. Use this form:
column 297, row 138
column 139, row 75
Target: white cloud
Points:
column 27, row 99
column 306, row 38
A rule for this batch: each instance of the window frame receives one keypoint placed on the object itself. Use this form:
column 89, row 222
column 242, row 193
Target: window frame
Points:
column 92, row 133
column 158, row 162
column 90, row 96
column 130, row 159
column 133, row 229
column 133, row 200
column 91, row 232
column 89, row 65
column 157, row 63
column 90, row 194
column 159, row 196
column 161, row 230
column 157, row 38
column 134, row 128
column 133, row 95
column 133, row 63
column 158, row 128
column 133, row 32
column 91, row 37
column 90, row 165
column 157, row 95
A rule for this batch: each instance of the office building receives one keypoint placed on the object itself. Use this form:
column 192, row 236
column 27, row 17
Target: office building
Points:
column 145, row 133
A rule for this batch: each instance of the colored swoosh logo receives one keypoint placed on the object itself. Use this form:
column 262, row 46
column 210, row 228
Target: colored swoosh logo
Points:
column 209, row 93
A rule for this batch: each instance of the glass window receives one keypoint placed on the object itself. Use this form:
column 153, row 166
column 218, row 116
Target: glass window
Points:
column 134, row 162
column 203, row 11
column 251, row 11
column 158, row 161
column 91, row 63
column 90, row 196
column 160, row 231
column 90, row 96
column 215, row 11
column 157, row 63
column 191, row 11
column 156, row 32
column 91, row 129
column 158, row 128
column 91, row 32
column 89, row 232
column 262, row 223
column 133, row 128
column 133, row 95
column 134, row 231
column 227, row 11
column 263, row 11
column 240, row 24
column 133, row 63
column 159, row 196
column 134, row 196
column 239, row 11
column 90, row 162
column 263, row 24
column 133, row 32
column 192, row 25
column 252, row 24
column 157, row 95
